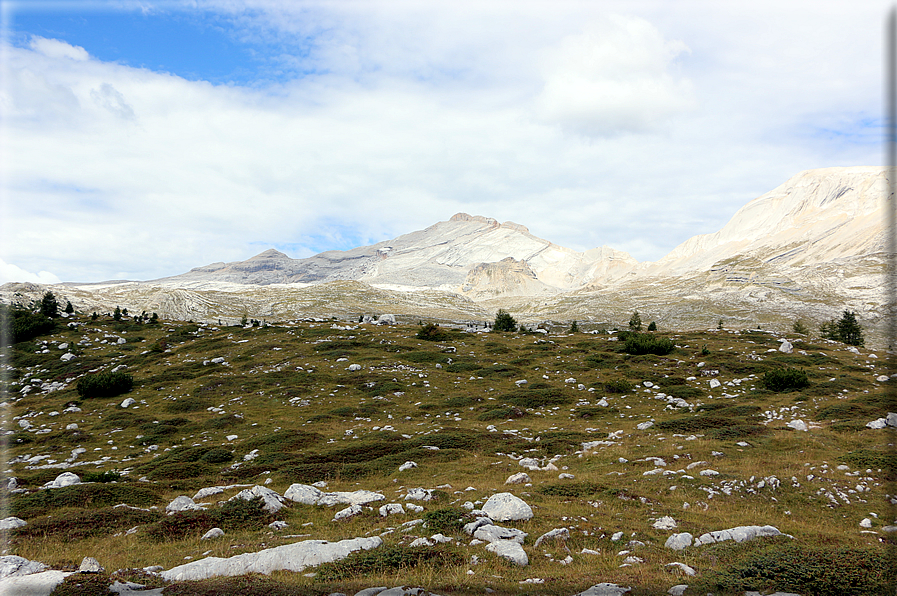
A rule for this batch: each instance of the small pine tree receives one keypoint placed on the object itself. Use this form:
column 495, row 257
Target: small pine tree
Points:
column 799, row 327
column 48, row 305
column 720, row 324
column 574, row 328
column 652, row 326
column 635, row 322
column 504, row 321
column 94, row 316
column 154, row 319
column 69, row 309
column 116, row 314
column 244, row 320
column 124, row 311
column 849, row 330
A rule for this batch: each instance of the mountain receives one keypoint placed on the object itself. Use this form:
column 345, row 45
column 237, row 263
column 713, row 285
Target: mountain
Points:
column 808, row 249
column 466, row 254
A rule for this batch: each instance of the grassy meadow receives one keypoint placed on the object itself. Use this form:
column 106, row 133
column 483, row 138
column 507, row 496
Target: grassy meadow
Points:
column 284, row 407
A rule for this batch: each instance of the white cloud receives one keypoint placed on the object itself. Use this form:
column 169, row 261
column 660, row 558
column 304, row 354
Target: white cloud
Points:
column 54, row 48
column 413, row 115
column 10, row 272
column 614, row 77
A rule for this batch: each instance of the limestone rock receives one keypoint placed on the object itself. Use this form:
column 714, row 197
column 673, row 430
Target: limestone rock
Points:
column 182, row 503
column 419, row 494
column 128, row 402
column 289, row 557
column 273, row 500
column 350, row 511
column 408, row 465
column 507, row 507
column 90, row 565
column 63, row 480
column 213, row 533
column 786, row 347
column 665, row 523
column 492, row 533
column 303, row 493
column 510, row 550
column 738, row 534
column 518, row 478
column 686, row 569
column 13, row 565
column 555, row 534
column 391, row 509
column 604, row 589
column 679, row 541
column 35, row 584
column 798, row 425
column 8, row 523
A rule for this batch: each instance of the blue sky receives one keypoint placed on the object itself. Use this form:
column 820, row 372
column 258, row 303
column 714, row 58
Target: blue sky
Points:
column 144, row 139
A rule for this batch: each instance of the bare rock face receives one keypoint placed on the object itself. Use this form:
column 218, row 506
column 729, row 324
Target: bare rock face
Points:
column 510, row 550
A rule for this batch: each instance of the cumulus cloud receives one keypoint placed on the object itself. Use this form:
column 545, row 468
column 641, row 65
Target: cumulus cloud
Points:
column 613, row 77
column 55, row 48
column 10, row 272
column 392, row 117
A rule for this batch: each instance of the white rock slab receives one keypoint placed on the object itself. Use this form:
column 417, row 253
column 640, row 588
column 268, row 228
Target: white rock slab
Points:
column 303, row 493
column 798, row 425
column 350, row 511
column 8, row 523
column 492, row 533
column 213, row 533
column 786, row 347
column 289, row 557
column 738, row 534
column 14, row 565
column 358, row 497
column 507, row 507
column 686, row 569
column 510, row 550
column 182, row 503
column 714, row 383
column 35, row 584
column 665, row 523
column 605, row 589
column 128, row 402
column 555, row 534
column 391, row 509
column 408, row 465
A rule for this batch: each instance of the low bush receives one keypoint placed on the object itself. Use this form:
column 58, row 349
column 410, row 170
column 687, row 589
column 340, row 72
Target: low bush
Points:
column 85, row 496
column 24, row 324
column 618, row 386
column 539, row 397
column 505, row 413
column 84, row 584
column 784, row 379
column 185, row 405
column 388, row 559
column 107, row 476
column 86, row 523
column 808, row 570
column 643, row 343
column 107, row 384
column 432, row 332
column 233, row 515
column 445, row 521
column 572, row 489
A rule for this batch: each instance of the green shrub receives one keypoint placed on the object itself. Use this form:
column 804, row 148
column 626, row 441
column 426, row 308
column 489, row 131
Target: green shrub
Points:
column 808, row 570
column 504, row 321
column 785, row 379
column 106, row 384
column 107, row 476
column 635, row 322
column 86, row 523
column 846, row 329
column 83, row 496
column 431, row 332
column 388, row 560
column 84, row 584
column 572, row 489
column 185, row 404
column 643, row 343
column 618, row 386
column 233, row 515
column 446, row 521
column 24, row 324
column 538, row 397
column 504, row 413
column 218, row 455
column 462, row 367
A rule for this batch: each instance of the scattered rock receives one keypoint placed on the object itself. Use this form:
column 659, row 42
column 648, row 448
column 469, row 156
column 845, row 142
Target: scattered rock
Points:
column 678, row 590
column 350, row 511
column 63, row 480
column 518, row 478
column 128, row 402
column 786, row 346
column 278, row 525
column 9, row 523
column 566, row 476
column 289, row 557
column 392, row 509
column 798, row 425
column 182, row 503
column 665, row 523
column 419, row 494
column 303, row 493
column 644, row 425
column 679, row 541
column 354, row 367
column 738, row 534
column 13, row 565
column 273, row 500
column 408, row 465
column 555, row 534
column 90, row 565
column 510, row 550
column 507, row 507
column 605, row 589
column 213, row 533
column 492, row 533
column 686, row 569
column 714, row 383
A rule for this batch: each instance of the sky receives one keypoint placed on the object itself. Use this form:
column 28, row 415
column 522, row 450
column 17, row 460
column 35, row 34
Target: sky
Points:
column 141, row 139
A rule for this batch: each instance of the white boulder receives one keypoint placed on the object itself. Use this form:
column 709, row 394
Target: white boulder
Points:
column 510, row 550
column 213, row 533
column 13, row 565
column 182, row 503
column 354, row 367
column 686, row 569
column 665, row 523
column 350, row 511
column 555, row 534
column 273, row 500
column 798, row 425
column 714, row 383
column 408, row 465
column 8, row 523
column 605, row 589
column 738, row 534
column 386, row 320
column 128, row 402
column 63, row 480
column 289, row 557
column 303, row 493
column 419, row 494
column 507, row 507
column 786, row 347
column 518, row 478
column 679, row 541
column 391, row 509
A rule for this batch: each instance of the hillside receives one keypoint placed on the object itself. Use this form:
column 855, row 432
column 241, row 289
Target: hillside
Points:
column 623, row 455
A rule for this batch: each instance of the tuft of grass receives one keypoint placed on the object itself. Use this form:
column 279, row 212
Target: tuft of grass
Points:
column 389, row 559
